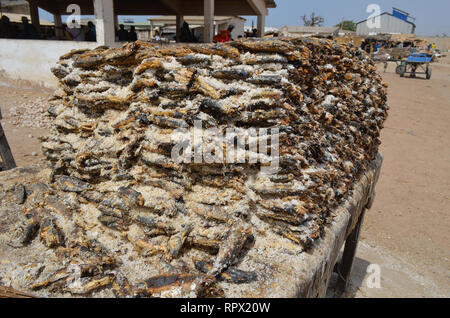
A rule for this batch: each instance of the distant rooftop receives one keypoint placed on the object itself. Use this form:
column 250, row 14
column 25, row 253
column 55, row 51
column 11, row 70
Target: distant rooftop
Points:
column 309, row 30
column 390, row 14
column 192, row 20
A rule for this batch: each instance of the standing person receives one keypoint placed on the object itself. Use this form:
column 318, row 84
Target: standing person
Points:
column 122, row 34
column 230, row 31
column 67, row 34
column 91, row 34
column 29, row 31
column 6, row 28
column 76, row 32
column 186, row 34
column 132, row 35
column 156, row 36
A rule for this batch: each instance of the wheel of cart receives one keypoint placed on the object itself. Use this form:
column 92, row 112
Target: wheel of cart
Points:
column 428, row 72
column 401, row 68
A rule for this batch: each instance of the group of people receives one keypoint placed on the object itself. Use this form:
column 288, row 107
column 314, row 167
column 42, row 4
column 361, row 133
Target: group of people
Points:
column 26, row 30
column 431, row 47
column 80, row 33
column 10, row 30
column 123, row 35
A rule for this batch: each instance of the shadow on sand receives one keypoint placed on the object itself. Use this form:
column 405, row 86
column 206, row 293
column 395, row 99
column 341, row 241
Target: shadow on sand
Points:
column 359, row 272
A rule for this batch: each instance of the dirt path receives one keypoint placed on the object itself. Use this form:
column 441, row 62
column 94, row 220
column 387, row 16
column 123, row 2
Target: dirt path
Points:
column 406, row 231
column 23, row 141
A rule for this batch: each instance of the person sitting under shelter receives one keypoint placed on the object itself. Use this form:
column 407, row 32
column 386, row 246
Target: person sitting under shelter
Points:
column 186, row 34
column 76, row 31
column 132, row 35
column 91, row 34
column 122, row 34
column 225, row 35
column 7, row 29
column 29, row 31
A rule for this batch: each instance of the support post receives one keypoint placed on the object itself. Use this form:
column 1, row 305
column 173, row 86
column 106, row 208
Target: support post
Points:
column 34, row 14
column 261, row 25
column 116, row 24
column 208, row 33
column 180, row 21
column 104, row 17
column 344, row 267
column 59, row 33
column 151, row 31
column 5, row 152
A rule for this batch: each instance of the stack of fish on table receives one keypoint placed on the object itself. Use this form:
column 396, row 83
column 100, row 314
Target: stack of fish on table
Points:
column 120, row 216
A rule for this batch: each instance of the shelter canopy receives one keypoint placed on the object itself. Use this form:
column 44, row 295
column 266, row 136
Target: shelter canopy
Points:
column 163, row 7
column 106, row 11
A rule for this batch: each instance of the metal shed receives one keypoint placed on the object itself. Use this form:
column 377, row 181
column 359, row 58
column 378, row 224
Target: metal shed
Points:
column 389, row 24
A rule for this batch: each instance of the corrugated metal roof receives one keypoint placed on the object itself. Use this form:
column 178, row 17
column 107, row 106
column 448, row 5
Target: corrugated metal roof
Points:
column 387, row 14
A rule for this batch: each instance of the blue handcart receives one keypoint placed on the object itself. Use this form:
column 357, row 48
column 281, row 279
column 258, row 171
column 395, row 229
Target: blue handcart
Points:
column 417, row 63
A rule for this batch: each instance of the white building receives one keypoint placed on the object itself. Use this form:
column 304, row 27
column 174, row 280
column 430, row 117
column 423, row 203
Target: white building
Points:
column 388, row 24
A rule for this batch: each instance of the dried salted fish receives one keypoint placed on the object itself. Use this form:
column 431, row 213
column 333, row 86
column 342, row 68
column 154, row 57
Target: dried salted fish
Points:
column 174, row 285
column 229, row 253
column 176, row 241
column 72, row 184
column 121, row 286
column 51, row 234
column 60, row 275
column 19, row 193
column 117, row 206
column 231, row 274
column 81, row 287
column 30, row 231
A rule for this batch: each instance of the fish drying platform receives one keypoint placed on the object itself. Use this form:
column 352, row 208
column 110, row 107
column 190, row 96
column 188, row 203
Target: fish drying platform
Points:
column 111, row 213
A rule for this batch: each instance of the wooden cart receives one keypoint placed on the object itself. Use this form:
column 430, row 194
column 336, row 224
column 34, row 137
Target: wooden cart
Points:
column 415, row 64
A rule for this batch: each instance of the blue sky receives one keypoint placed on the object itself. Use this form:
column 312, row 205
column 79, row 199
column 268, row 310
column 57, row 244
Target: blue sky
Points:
column 431, row 15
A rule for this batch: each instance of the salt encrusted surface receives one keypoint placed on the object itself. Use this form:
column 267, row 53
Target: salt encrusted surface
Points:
column 117, row 209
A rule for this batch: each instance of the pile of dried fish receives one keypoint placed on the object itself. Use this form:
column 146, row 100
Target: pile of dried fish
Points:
column 122, row 216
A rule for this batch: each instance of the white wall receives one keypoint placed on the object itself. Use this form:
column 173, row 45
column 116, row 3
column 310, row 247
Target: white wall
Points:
column 31, row 60
column 238, row 27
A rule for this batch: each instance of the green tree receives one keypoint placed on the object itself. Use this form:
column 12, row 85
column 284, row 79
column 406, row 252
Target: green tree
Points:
column 347, row 25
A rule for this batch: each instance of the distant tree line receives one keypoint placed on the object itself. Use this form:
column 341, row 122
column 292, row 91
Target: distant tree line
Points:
column 347, row 25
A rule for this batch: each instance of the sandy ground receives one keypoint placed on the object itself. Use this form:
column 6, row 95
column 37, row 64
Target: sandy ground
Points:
column 22, row 140
column 406, row 231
